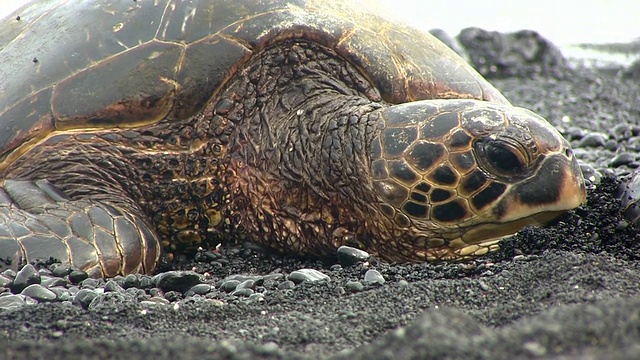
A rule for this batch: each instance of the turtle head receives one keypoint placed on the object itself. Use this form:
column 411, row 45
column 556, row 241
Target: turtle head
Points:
column 453, row 177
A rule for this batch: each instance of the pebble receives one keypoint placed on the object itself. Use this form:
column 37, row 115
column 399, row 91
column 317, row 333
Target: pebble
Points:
column 119, row 279
column 84, row 297
column 180, row 281
column 73, row 289
column 593, row 140
column 374, row 277
column 44, row 272
column 534, row 349
column 60, row 270
column 39, row 292
column 622, row 159
column 8, row 273
column 62, row 294
column 25, row 277
column 607, row 172
column 77, row 276
column 354, row 286
column 229, row 285
column 285, row 285
column 575, row 133
column 112, row 286
column 150, row 304
column 91, row 283
column 633, row 143
column 53, row 281
column 348, row 255
column 241, row 277
column 146, row 282
column 63, row 324
column 132, row 280
column 211, row 256
column 173, row 296
column 257, row 297
column 611, row 145
column 621, row 131
column 247, row 284
column 158, row 300
column 590, row 174
column 4, row 281
column 12, row 301
column 136, row 293
column 243, row 292
column 483, row 286
column 310, row 275
column 199, row 289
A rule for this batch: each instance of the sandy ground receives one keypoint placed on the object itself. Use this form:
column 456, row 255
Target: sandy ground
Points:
column 569, row 290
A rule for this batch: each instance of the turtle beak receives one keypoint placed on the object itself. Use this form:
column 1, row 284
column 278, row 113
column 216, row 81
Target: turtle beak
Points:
column 574, row 192
column 544, row 197
column 552, row 195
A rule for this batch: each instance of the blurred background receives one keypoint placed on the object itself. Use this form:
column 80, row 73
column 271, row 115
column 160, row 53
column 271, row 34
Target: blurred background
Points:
column 564, row 22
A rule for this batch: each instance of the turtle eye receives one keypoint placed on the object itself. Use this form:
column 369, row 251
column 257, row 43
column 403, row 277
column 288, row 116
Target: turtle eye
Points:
column 504, row 157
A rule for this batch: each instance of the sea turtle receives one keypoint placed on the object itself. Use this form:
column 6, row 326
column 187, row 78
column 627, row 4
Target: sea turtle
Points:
column 134, row 126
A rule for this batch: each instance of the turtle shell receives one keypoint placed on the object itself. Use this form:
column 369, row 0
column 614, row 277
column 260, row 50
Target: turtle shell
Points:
column 81, row 64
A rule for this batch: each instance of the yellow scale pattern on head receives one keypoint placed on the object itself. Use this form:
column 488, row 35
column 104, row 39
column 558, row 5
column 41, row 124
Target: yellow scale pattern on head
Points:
column 427, row 171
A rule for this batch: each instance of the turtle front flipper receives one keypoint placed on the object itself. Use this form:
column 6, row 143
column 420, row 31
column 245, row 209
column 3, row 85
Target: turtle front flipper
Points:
column 38, row 222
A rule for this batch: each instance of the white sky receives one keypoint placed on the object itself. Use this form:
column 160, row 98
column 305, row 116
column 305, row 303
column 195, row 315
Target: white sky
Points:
column 562, row 21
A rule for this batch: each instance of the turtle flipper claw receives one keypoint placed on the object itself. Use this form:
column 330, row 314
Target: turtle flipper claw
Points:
column 38, row 222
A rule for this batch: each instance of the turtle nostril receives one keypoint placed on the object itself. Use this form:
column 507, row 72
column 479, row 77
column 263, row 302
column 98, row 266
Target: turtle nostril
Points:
column 568, row 153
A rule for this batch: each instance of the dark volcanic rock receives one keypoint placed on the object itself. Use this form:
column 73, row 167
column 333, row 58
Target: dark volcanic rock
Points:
column 524, row 53
column 26, row 276
column 180, row 281
column 348, row 255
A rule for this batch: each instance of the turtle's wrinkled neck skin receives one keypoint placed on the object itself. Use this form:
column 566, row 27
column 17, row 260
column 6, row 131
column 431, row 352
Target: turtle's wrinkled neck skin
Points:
column 300, row 153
